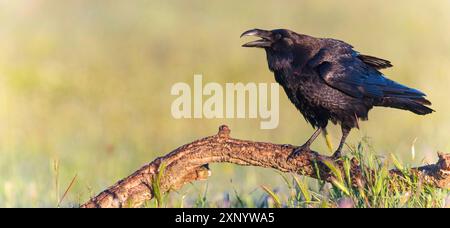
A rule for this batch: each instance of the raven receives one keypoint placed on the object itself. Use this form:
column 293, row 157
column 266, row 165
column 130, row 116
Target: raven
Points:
column 327, row 80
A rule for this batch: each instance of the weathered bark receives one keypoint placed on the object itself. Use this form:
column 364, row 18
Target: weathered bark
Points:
column 190, row 163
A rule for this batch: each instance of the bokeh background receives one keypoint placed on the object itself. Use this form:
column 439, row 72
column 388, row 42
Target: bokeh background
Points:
column 85, row 86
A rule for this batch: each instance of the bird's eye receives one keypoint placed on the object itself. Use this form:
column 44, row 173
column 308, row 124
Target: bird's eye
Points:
column 278, row 36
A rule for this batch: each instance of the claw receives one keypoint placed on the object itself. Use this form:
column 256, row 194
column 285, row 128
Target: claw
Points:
column 298, row 151
column 337, row 155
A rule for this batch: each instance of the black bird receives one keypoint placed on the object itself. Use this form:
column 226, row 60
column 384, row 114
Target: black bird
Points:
column 327, row 80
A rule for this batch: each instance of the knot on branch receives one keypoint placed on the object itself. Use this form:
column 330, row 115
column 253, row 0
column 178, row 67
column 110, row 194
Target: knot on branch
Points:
column 197, row 174
column 224, row 131
column 444, row 161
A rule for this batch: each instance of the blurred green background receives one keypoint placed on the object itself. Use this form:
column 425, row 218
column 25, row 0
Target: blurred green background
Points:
column 85, row 85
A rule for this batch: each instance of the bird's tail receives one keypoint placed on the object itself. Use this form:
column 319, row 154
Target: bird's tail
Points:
column 396, row 95
column 414, row 104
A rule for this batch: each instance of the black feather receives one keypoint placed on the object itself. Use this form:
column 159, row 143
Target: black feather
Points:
column 415, row 106
column 375, row 62
column 329, row 81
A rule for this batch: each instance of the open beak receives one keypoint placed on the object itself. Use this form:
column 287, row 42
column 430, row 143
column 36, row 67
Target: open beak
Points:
column 264, row 42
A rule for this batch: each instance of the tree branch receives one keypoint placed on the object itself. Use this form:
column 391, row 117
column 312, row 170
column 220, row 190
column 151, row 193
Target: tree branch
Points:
column 190, row 162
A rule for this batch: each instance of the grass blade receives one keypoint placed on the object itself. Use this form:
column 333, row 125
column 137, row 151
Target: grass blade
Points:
column 303, row 189
column 397, row 164
column 67, row 190
column 156, row 185
column 341, row 186
column 273, row 195
column 328, row 141
column 336, row 171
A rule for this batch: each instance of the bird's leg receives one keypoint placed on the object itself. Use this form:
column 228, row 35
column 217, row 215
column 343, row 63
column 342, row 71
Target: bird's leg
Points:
column 305, row 147
column 345, row 132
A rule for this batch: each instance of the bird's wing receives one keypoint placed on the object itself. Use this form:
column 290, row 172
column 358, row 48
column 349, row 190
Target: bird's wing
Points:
column 341, row 69
column 342, row 47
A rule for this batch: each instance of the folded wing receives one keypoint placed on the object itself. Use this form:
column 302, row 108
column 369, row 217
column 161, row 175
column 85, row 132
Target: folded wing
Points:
column 357, row 75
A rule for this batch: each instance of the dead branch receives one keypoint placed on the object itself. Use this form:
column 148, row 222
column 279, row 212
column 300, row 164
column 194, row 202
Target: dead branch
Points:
column 190, row 163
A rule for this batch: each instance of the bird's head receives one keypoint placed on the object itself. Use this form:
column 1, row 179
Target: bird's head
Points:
column 281, row 46
column 275, row 40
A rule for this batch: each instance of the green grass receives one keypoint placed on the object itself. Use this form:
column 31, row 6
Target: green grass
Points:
column 380, row 191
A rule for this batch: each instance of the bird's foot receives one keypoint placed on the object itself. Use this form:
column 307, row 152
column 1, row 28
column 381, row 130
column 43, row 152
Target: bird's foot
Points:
column 298, row 151
column 337, row 155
